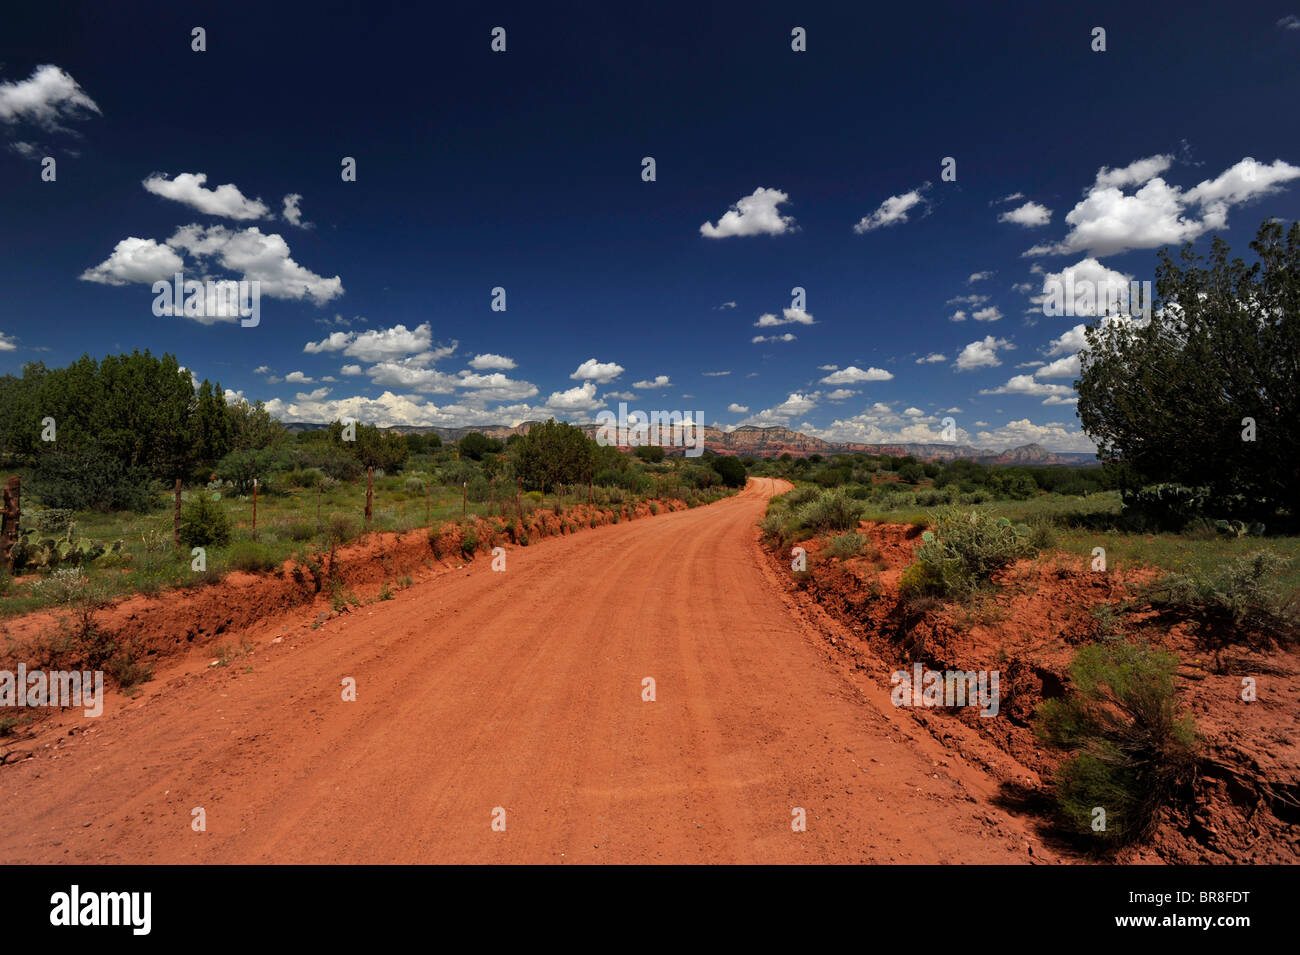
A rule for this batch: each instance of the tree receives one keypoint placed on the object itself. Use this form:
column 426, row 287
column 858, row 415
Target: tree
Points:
column 1167, row 399
column 213, row 427
column 554, row 453
column 731, row 471
column 650, row 453
column 253, row 427
column 475, row 445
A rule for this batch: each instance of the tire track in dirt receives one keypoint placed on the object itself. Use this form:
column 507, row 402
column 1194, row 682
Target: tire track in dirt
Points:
column 521, row 690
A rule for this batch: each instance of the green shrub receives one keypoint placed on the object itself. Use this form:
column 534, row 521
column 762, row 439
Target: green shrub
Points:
column 847, row 545
column 300, row 531
column 251, row 557
column 468, row 540
column 1242, row 598
column 829, row 511
column 1164, row 507
column 965, row 547
column 1134, row 752
column 731, row 471
column 204, row 522
column 921, row 579
column 53, row 520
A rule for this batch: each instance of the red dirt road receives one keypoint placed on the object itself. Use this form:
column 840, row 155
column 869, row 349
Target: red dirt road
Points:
column 520, row 690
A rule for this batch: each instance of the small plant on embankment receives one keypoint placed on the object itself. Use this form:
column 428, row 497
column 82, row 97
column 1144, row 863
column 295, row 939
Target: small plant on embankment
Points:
column 962, row 550
column 1133, row 752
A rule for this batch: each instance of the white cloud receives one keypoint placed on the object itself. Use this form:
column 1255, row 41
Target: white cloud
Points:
column 258, row 257
column 658, row 384
column 188, row 188
column 931, row 358
column 579, row 398
column 495, row 386
column 1027, row 385
column 853, row 375
column 600, row 372
column 990, row 314
column 979, row 277
column 795, row 405
column 135, row 260
column 1053, row 435
column 1107, row 221
column 714, row 374
column 840, row 394
column 982, row 354
column 1011, row 198
column 7, row 343
column 44, row 98
column 261, row 369
column 1289, row 22
column 1067, row 367
column 292, row 214
column 724, row 306
column 1029, row 215
column 787, row 337
column 892, row 211
column 489, row 361
column 383, row 344
column 298, row 378
column 755, row 214
column 1092, row 283
column 316, row 395
column 971, row 300
column 738, row 409
column 788, row 316
column 827, row 367
column 957, row 316
column 350, row 370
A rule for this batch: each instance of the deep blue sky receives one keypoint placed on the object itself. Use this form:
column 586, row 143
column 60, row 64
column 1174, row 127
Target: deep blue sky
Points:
column 523, row 170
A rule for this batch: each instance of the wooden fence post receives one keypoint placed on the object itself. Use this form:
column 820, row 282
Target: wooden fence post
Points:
column 370, row 491
column 318, row 496
column 464, row 497
column 254, row 508
column 10, row 516
column 176, row 518
column 428, row 500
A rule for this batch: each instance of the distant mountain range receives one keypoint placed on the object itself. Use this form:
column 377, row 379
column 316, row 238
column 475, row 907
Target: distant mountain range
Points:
column 774, row 441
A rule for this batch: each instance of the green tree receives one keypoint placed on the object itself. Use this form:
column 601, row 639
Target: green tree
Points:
column 1166, row 400
column 554, row 453
column 474, row 446
column 213, row 425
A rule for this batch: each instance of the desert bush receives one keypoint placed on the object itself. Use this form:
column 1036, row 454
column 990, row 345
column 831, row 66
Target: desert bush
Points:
column 921, row 579
column 53, row 520
column 847, row 545
column 800, row 495
column 340, row 528
column 251, row 557
column 204, row 522
column 829, row 511
column 1242, row 598
column 1133, row 752
column 300, row 531
column 1164, row 507
column 966, row 547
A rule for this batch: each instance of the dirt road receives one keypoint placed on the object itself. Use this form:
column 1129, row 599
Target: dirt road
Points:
column 521, row 691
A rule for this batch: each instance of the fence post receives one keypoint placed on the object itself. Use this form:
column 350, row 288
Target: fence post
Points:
column 428, row 500
column 318, row 494
column 464, row 498
column 370, row 491
column 254, row 508
column 10, row 516
column 519, row 489
column 176, row 518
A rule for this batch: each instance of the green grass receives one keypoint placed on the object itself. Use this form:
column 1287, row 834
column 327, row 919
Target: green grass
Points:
column 286, row 524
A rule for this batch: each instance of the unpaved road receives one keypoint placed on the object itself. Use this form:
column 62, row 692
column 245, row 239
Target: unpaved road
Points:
column 520, row 690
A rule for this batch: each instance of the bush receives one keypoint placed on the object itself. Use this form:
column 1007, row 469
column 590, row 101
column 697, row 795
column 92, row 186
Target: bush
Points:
column 847, row 545
column 53, row 520
column 242, row 468
column 204, row 523
column 731, row 471
column 830, row 511
column 911, row 473
column 651, row 453
column 921, row 579
column 1164, row 507
column 87, row 477
column 1240, row 599
column 965, row 547
column 1134, row 752
column 251, row 557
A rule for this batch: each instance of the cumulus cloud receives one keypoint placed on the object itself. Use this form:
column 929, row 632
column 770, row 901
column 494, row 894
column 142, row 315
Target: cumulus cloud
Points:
column 1028, row 385
column 135, row 260
column 880, row 424
column 979, row 277
column 840, row 394
column 1108, row 220
column 657, row 384
column 491, row 362
column 1289, row 22
column 188, row 188
column 257, row 257
column 990, row 314
column 795, row 405
column 957, row 316
column 384, row 344
column 579, row 398
column 1029, row 215
column 1092, row 285
column 738, row 409
column 600, row 372
column 1067, row 367
column 893, row 210
column 350, row 370
column 714, row 374
column 44, row 99
column 787, row 337
column 971, row 300
column 788, row 316
column 982, row 354
column 853, row 375
column 931, row 358
column 755, row 214
column 298, row 378
column 7, row 343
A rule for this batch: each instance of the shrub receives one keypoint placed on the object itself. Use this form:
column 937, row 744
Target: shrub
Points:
column 830, row 511
column 468, row 540
column 250, row 557
column 54, row 520
column 87, row 477
column 921, row 579
column 300, row 531
column 340, row 528
column 1241, row 598
column 204, row 522
column 847, row 545
column 731, row 471
column 1164, row 507
column 1133, row 751
column 965, row 547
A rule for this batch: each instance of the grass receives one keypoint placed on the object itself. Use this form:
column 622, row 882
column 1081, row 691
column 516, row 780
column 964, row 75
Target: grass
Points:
column 286, row 524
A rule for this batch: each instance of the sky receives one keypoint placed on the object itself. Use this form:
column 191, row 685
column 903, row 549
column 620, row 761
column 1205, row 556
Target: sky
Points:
column 919, row 172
